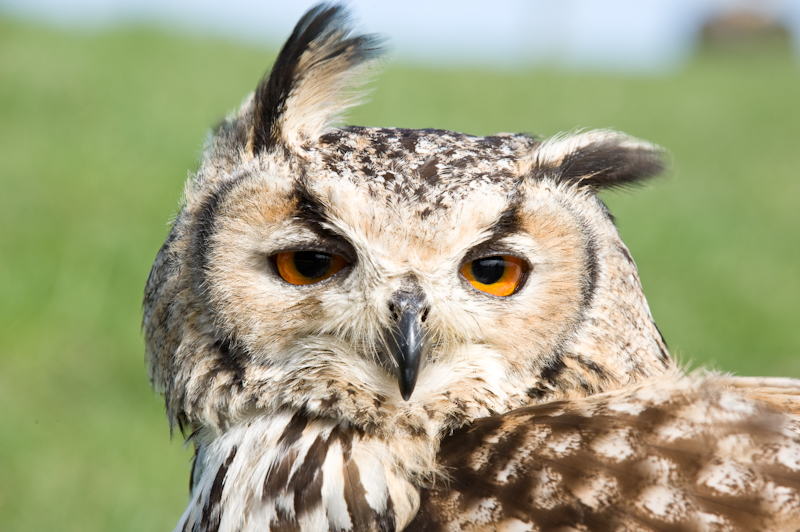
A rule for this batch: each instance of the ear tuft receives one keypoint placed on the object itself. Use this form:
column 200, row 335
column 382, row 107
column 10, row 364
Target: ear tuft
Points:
column 598, row 159
column 307, row 88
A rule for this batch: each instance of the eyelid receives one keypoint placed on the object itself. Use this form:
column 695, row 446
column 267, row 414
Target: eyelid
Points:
column 325, row 241
column 491, row 248
column 321, row 245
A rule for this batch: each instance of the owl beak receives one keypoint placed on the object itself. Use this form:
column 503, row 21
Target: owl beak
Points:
column 406, row 340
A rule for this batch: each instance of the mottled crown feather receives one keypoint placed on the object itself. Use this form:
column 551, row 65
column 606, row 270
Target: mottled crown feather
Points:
column 307, row 88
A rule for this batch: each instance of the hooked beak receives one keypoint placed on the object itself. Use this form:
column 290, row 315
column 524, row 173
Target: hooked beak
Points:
column 406, row 340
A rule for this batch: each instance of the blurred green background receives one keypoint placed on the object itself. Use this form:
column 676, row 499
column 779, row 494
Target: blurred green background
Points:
column 98, row 131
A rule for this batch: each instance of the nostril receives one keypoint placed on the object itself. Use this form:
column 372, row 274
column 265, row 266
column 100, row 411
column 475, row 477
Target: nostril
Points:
column 395, row 313
column 424, row 315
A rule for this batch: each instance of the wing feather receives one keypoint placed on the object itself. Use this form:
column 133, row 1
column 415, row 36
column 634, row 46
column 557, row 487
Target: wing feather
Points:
column 674, row 454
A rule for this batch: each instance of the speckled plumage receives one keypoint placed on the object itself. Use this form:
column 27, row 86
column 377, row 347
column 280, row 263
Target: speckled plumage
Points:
column 670, row 453
column 290, row 393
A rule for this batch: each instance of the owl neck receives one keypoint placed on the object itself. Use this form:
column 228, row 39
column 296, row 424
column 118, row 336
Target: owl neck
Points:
column 291, row 470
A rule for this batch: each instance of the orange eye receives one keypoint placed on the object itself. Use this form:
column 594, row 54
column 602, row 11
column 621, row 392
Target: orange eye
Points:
column 307, row 267
column 499, row 275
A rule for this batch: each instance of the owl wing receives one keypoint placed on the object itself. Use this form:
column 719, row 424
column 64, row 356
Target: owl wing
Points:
column 782, row 393
column 672, row 454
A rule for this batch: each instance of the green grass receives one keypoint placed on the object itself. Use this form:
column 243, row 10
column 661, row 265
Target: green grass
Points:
column 97, row 133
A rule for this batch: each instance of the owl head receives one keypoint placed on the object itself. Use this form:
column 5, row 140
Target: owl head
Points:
column 392, row 279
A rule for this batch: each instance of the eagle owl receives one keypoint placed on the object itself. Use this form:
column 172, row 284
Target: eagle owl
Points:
column 392, row 329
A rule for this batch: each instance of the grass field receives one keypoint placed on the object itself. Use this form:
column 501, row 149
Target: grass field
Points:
column 97, row 133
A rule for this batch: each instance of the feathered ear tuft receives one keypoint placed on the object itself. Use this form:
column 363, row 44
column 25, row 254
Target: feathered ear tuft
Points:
column 598, row 159
column 307, row 88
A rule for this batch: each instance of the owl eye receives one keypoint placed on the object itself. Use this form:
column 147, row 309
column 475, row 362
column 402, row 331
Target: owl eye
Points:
column 499, row 275
column 307, row 267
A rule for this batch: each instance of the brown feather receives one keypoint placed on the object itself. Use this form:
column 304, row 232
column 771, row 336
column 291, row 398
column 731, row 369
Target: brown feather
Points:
column 675, row 453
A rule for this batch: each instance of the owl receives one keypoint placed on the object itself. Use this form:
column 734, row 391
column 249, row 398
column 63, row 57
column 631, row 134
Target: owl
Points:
column 391, row 329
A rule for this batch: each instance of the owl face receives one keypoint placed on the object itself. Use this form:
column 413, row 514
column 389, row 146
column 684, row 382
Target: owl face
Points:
column 311, row 273
column 387, row 277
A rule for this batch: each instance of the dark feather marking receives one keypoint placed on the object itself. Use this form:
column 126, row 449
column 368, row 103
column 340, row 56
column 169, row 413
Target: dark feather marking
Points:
column 429, row 517
column 308, row 207
column 331, row 137
column 283, row 522
column 384, row 521
column 212, row 511
column 272, row 92
column 592, row 267
column 277, row 478
column 204, row 229
column 344, row 435
column 322, row 27
column 537, row 392
column 553, row 368
column 412, row 431
column 311, row 212
column 307, row 481
column 429, row 172
column 627, row 254
column 186, row 527
column 232, row 358
column 509, row 222
column 294, row 430
column 383, row 148
column 362, row 516
column 408, row 139
column 305, row 485
column 590, row 365
column 609, row 165
column 492, row 142
column 180, row 417
column 308, row 494
column 664, row 353
column 194, row 464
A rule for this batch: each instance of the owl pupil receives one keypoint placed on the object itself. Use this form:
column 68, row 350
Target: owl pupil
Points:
column 312, row 264
column 488, row 270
